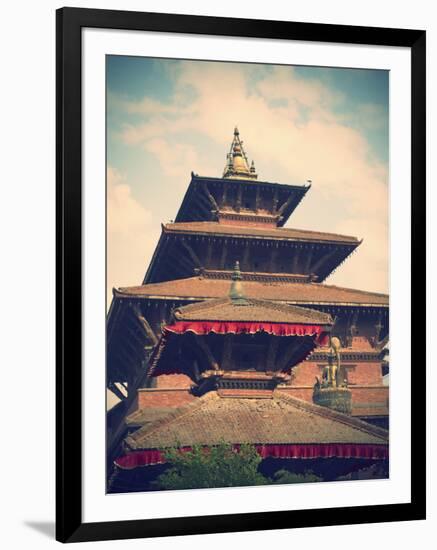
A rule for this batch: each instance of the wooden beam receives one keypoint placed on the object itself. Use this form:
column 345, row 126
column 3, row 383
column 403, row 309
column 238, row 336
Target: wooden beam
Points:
column 287, row 203
column 139, row 338
column 275, row 201
column 227, row 351
column 321, row 261
column 191, row 252
column 209, row 196
column 208, row 255
column 223, row 255
column 295, row 259
column 245, row 260
column 181, row 261
column 285, row 358
column 204, row 202
column 126, row 360
column 203, row 345
column 117, row 310
column 224, row 193
column 114, row 372
column 239, row 197
column 308, row 260
column 145, row 325
column 132, row 337
column 272, row 263
column 257, row 198
column 175, row 269
column 271, row 353
column 115, row 390
column 195, row 369
column 129, row 362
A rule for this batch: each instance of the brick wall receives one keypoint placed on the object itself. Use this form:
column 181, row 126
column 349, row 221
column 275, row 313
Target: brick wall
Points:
column 172, row 397
column 303, row 392
column 166, row 381
column 366, row 373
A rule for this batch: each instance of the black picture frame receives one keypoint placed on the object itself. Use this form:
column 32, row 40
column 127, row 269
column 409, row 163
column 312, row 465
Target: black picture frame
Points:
column 70, row 22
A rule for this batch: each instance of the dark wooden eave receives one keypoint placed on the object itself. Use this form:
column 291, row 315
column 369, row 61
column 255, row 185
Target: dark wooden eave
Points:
column 201, row 202
column 175, row 257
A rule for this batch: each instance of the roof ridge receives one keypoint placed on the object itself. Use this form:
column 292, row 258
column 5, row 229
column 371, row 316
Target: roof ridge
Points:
column 333, row 415
column 203, row 305
column 171, row 417
column 252, row 310
column 280, row 306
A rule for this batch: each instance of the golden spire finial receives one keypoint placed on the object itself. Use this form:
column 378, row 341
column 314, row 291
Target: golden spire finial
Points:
column 237, row 164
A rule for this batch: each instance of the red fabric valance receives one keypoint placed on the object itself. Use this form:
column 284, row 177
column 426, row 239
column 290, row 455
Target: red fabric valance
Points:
column 149, row 457
column 230, row 327
column 317, row 332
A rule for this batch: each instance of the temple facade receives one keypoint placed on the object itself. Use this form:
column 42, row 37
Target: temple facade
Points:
column 224, row 277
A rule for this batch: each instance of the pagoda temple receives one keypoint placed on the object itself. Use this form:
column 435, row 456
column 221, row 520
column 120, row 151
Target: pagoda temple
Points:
column 234, row 320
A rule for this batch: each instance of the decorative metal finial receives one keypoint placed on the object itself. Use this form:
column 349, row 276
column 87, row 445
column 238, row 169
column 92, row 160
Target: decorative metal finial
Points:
column 236, row 293
column 237, row 164
column 236, row 275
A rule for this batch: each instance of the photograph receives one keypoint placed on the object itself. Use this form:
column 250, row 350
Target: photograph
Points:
column 220, row 217
column 247, row 274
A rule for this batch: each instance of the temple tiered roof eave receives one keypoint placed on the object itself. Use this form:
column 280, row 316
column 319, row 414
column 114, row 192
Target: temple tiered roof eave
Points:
column 201, row 288
column 280, row 233
column 225, row 309
column 254, row 421
column 190, row 211
column 319, row 253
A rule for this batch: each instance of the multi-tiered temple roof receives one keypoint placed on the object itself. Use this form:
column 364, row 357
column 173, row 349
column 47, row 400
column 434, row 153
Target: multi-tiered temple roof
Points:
column 184, row 322
column 274, row 336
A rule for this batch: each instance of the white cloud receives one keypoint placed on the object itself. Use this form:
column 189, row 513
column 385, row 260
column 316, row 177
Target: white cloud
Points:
column 174, row 159
column 291, row 129
column 132, row 234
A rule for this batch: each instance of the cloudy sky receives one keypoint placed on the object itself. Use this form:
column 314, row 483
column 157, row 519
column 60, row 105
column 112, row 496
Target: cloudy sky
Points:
column 166, row 118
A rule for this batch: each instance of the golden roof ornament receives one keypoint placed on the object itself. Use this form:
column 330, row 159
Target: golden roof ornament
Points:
column 237, row 164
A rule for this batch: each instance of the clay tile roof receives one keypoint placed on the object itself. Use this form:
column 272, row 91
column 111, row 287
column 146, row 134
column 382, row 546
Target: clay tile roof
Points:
column 298, row 293
column 281, row 419
column 147, row 416
column 251, row 231
column 251, row 310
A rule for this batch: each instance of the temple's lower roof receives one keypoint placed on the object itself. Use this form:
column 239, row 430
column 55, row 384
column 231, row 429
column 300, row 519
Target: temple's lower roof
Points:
column 198, row 288
column 149, row 416
column 280, row 419
column 226, row 309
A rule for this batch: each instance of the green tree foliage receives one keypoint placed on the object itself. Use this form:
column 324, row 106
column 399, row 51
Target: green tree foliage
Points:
column 219, row 466
column 286, row 477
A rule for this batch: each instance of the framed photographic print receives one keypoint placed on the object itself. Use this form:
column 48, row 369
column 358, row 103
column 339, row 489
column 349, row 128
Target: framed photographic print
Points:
column 241, row 259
